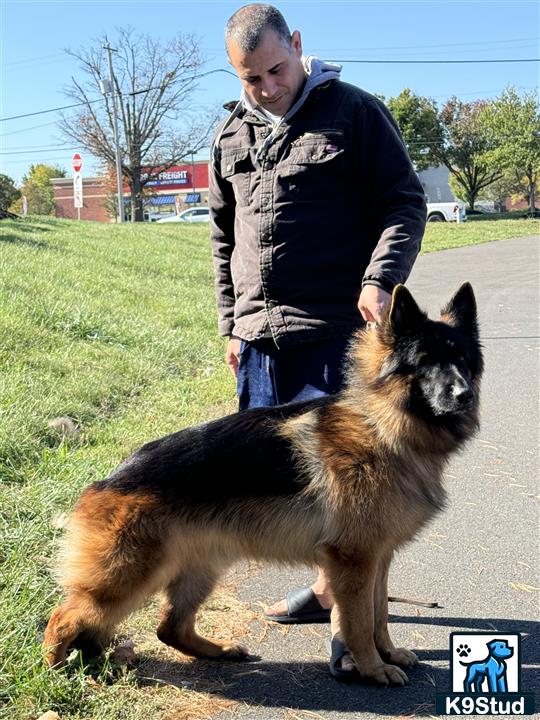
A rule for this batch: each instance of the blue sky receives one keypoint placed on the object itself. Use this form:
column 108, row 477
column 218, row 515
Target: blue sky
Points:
column 35, row 69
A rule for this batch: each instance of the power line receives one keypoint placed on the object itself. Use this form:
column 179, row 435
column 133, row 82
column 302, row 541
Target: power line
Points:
column 33, row 147
column 27, row 61
column 136, row 92
column 414, row 47
column 43, row 112
column 32, row 127
column 29, row 152
column 437, row 62
column 53, row 147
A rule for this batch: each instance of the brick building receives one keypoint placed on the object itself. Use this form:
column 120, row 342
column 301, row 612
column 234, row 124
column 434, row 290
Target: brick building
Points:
column 94, row 197
column 174, row 190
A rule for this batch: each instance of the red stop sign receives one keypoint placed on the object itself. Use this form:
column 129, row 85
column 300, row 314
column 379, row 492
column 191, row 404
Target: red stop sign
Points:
column 77, row 162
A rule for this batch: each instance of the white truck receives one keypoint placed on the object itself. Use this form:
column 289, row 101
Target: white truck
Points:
column 446, row 211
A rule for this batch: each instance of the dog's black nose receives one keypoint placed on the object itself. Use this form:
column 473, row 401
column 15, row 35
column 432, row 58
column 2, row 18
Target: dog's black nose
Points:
column 463, row 395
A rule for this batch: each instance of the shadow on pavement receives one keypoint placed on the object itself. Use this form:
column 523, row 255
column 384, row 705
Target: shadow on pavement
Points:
column 308, row 685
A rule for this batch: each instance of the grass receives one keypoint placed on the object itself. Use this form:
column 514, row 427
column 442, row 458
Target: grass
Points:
column 478, row 229
column 115, row 328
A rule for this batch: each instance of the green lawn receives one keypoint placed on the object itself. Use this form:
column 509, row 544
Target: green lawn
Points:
column 114, row 327
column 477, row 229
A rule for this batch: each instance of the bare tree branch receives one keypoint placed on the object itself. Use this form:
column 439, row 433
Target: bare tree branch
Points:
column 154, row 85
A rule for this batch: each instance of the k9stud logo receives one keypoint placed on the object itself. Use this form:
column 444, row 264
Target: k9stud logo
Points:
column 486, row 679
column 483, row 663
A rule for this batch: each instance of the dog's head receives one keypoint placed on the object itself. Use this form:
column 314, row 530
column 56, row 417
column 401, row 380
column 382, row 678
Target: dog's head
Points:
column 441, row 358
column 500, row 649
column 429, row 368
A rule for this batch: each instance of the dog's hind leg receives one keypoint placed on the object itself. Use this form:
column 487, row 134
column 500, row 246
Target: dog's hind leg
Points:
column 184, row 595
column 352, row 581
column 383, row 642
column 112, row 561
column 79, row 619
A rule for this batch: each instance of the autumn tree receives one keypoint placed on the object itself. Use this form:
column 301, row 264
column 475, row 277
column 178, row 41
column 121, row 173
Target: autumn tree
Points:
column 155, row 85
column 463, row 147
column 417, row 120
column 8, row 192
column 38, row 190
column 512, row 123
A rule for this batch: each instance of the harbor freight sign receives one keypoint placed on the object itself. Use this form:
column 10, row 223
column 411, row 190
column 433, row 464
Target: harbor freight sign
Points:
column 171, row 177
column 486, row 676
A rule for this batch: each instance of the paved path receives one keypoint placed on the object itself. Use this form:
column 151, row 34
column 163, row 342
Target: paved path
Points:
column 476, row 559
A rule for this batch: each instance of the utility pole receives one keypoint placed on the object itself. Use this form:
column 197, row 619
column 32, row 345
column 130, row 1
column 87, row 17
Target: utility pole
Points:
column 112, row 89
column 192, row 176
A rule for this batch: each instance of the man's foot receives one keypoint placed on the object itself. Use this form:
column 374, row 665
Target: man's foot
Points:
column 341, row 665
column 343, row 668
column 304, row 605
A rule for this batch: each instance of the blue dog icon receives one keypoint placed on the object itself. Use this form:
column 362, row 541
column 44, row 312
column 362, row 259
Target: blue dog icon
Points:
column 493, row 668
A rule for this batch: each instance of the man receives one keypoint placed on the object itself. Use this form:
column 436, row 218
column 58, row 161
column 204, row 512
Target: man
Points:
column 316, row 214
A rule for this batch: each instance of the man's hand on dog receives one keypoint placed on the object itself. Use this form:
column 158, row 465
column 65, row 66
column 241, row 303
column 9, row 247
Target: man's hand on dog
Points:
column 232, row 355
column 373, row 303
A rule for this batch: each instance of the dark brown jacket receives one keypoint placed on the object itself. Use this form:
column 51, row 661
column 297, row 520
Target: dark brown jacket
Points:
column 331, row 204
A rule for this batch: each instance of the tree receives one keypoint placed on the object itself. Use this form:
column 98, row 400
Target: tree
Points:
column 416, row 117
column 512, row 123
column 8, row 192
column 154, row 84
column 463, row 147
column 38, row 189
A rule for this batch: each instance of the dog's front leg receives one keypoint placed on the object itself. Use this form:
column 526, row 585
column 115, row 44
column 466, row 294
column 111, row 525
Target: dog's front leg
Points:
column 385, row 646
column 352, row 580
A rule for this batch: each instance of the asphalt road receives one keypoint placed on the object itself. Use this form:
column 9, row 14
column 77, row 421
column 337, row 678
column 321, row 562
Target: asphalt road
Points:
column 479, row 559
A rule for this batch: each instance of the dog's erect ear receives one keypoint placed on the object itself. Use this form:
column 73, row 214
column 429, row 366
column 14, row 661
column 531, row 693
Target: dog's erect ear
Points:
column 404, row 316
column 461, row 310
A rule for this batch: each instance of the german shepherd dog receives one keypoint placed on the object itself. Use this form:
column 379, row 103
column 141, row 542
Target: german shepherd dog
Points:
column 340, row 481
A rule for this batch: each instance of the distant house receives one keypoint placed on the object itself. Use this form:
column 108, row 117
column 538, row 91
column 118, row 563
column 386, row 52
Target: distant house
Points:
column 435, row 183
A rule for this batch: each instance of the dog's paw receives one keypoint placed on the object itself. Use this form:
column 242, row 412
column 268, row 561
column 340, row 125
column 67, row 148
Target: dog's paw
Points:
column 233, row 651
column 402, row 657
column 385, row 675
column 463, row 650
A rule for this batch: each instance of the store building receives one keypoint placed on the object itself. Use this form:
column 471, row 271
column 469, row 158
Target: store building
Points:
column 175, row 189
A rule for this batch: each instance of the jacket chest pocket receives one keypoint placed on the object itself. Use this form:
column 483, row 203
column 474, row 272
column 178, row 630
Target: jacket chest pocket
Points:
column 323, row 148
column 237, row 168
column 314, row 159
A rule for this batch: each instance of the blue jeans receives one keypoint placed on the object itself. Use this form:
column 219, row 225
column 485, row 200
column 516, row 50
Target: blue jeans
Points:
column 268, row 376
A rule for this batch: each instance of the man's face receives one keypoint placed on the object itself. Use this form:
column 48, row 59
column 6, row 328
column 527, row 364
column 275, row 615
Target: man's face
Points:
column 272, row 74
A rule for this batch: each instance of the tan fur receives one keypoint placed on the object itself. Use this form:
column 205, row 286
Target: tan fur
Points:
column 375, row 478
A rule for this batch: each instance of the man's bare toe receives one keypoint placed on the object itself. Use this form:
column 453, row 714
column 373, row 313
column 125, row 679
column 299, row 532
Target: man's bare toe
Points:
column 347, row 663
column 278, row 608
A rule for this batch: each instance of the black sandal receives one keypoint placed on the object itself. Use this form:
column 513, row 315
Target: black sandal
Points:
column 337, row 650
column 302, row 607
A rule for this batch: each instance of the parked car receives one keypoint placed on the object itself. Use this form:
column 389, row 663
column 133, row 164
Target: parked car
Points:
column 192, row 215
column 446, row 211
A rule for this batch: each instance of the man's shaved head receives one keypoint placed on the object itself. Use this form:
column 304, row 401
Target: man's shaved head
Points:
column 247, row 26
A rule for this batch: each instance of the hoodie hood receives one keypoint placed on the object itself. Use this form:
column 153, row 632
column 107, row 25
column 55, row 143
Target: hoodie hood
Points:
column 317, row 73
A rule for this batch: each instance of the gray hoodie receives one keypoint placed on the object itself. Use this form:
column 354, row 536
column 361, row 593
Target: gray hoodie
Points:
column 317, row 73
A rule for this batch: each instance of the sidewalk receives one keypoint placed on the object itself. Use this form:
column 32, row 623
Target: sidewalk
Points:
column 475, row 559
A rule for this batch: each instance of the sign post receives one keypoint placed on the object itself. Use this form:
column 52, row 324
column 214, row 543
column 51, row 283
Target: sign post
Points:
column 77, row 184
